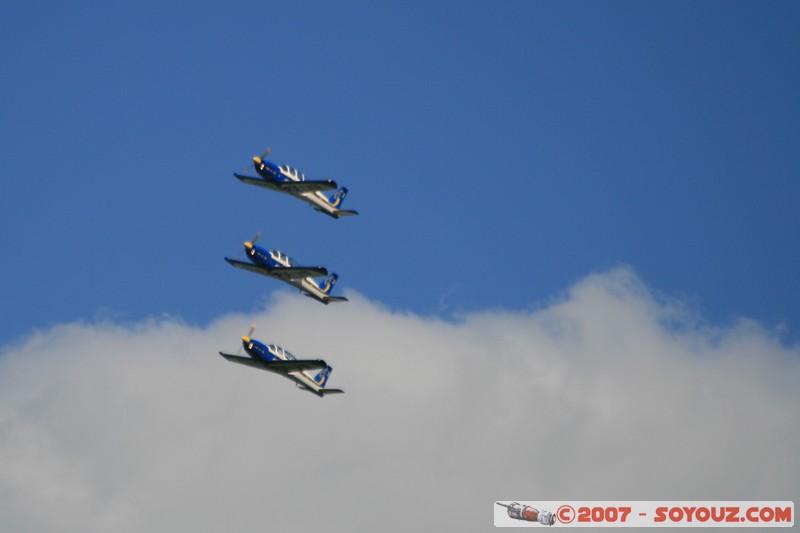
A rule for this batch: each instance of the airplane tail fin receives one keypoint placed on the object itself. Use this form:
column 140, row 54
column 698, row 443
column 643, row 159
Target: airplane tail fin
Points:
column 337, row 198
column 322, row 378
column 328, row 284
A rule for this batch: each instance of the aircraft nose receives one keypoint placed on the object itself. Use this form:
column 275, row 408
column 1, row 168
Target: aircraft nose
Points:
column 246, row 339
column 248, row 245
column 257, row 160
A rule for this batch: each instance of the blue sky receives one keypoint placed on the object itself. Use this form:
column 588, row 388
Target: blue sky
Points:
column 574, row 273
column 497, row 152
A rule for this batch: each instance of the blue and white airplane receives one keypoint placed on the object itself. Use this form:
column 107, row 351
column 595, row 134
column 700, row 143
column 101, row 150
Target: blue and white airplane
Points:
column 276, row 264
column 283, row 178
column 275, row 359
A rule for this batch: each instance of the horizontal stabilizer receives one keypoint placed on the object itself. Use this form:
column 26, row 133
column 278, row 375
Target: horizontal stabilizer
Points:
column 331, row 391
column 344, row 213
column 326, row 299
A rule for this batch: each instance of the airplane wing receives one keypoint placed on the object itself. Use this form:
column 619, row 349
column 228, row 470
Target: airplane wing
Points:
column 290, row 273
column 248, row 266
column 246, row 361
column 283, row 273
column 298, row 187
column 259, row 182
column 296, row 365
column 280, row 367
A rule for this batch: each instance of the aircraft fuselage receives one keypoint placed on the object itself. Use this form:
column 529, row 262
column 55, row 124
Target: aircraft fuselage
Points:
column 262, row 352
column 274, row 259
column 274, row 175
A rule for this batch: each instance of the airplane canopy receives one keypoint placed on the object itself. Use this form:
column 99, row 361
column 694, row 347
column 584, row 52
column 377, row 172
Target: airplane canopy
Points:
column 293, row 172
column 282, row 257
column 281, row 352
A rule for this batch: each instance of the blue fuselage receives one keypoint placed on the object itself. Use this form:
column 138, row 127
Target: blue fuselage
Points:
column 262, row 352
column 270, row 171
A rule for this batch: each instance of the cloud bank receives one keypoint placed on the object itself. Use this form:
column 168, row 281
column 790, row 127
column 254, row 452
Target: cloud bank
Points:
column 612, row 392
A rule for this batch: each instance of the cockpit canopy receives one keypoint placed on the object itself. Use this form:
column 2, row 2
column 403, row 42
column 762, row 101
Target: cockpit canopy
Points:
column 293, row 172
column 281, row 257
column 280, row 352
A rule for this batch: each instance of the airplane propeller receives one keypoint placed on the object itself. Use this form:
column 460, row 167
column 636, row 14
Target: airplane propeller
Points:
column 264, row 154
column 251, row 241
column 255, row 237
column 248, row 336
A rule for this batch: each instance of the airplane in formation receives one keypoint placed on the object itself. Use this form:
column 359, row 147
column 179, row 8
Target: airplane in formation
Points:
column 275, row 359
column 276, row 264
column 283, row 178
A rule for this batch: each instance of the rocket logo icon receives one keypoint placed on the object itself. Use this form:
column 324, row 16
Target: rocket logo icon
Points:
column 528, row 513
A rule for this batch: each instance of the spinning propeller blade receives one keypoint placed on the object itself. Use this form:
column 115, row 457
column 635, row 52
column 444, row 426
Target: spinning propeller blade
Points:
column 247, row 337
column 258, row 159
column 251, row 242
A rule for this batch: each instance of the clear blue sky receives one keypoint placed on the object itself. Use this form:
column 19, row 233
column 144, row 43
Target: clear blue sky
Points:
column 498, row 152
column 504, row 156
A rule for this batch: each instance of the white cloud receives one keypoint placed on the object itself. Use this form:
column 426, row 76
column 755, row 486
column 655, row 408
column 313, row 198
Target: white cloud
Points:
column 611, row 392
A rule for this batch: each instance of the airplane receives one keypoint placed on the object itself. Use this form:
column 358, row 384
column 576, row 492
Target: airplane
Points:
column 276, row 264
column 283, row 178
column 275, row 359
